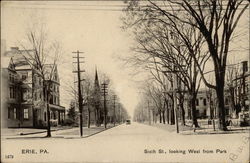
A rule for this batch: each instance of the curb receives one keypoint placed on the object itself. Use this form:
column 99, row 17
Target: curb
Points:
column 39, row 132
column 90, row 134
column 101, row 131
column 59, row 136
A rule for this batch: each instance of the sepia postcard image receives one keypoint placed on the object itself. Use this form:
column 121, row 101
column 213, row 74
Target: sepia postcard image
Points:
column 120, row 81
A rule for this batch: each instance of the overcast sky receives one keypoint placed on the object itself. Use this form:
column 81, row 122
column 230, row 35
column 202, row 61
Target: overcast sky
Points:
column 91, row 27
column 96, row 32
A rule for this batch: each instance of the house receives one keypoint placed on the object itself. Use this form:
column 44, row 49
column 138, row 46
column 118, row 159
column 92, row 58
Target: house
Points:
column 15, row 103
column 206, row 104
column 242, row 88
column 26, row 103
column 57, row 112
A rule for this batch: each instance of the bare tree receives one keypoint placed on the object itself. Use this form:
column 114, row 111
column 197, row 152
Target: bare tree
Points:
column 42, row 52
column 88, row 98
column 216, row 20
column 164, row 42
column 231, row 75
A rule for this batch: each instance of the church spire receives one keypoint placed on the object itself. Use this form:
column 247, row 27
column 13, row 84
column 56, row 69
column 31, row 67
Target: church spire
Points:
column 96, row 77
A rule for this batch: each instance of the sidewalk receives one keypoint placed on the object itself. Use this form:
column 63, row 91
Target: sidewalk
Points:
column 188, row 130
column 207, row 131
column 75, row 132
column 56, row 132
column 5, row 132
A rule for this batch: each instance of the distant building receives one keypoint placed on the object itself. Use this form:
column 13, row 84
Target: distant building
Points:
column 97, row 101
column 23, row 97
column 206, row 104
column 242, row 87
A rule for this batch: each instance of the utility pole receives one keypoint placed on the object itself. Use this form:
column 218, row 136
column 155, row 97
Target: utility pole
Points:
column 120, row 115
column 104, row 88
column 175, row 81
column 114, row 96
column 175, row 100
column 149, row 115
column 80, row 99
column 244, row 70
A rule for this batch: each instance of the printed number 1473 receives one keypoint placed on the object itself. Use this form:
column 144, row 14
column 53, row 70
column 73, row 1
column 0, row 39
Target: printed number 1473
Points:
column 9, row 156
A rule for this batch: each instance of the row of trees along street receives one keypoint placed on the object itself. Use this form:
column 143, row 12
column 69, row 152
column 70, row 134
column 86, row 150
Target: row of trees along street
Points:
column 99, row 110
column 175, row 41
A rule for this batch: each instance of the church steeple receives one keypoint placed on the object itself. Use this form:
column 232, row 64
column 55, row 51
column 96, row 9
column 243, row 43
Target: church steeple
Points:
column 97, row 99
column 96, row 76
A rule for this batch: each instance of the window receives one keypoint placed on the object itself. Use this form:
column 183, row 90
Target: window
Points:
column 14, row 92
column 51, row 100
column 24, row 76
column 54, row 115
column 45, row 116
column 197, row 112
column 14, row 113
column 11, row 77
column 14, row 78
column 26, row 113
column 9, row 112
column 11, row 92
column 226, row 101
column 204, row 102
column 197, row 102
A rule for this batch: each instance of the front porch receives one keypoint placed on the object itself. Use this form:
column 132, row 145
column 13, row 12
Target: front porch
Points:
column 57, row 114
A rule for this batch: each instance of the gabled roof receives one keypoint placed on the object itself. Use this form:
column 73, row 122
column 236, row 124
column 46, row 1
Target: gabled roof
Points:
column 20, row 58
column 51, row 68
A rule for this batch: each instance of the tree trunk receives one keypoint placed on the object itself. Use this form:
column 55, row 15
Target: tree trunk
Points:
column 160, row 116
column 95, row 117
column 232, row 101
column 193, row 110
column 88, row 117
column 48, row 113
column 172, row 120
column 167, row 110
column 221, row 108
column 163, row 116
column 168, row 116
column 189, row 109
column 182, row 114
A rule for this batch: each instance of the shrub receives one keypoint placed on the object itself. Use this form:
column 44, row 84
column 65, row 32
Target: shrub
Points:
column 68, row 122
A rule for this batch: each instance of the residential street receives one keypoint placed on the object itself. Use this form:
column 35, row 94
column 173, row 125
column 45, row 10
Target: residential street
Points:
column 127, row 143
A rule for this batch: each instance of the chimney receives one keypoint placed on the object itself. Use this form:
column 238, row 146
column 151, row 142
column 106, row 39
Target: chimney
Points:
column 14, row 48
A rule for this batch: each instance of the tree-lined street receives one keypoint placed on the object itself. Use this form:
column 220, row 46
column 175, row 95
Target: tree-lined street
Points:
column 128, row 143
column 125, row 81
